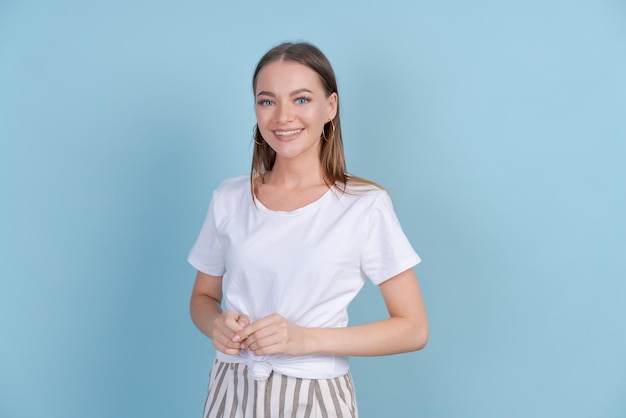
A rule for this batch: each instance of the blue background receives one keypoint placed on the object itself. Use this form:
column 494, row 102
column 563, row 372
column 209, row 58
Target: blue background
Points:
column 499, row 128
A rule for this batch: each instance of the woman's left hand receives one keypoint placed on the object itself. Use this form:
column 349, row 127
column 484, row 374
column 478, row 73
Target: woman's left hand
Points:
column 274, row 335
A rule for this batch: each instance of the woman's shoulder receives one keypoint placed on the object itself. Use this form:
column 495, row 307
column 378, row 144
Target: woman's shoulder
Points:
column 364, row 189
column 362, row 194
column 357, row 186
column 235, row 183
column 233, row 189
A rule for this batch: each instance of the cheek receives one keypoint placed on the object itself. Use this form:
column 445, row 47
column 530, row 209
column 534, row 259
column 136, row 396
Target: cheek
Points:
column 263, row 121
column 262, row 116
column 323, row 112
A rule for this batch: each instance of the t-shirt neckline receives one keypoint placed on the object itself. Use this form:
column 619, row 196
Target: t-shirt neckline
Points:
column 303, row 209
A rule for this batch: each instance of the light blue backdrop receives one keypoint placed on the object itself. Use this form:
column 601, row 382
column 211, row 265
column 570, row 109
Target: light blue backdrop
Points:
column 499, row 127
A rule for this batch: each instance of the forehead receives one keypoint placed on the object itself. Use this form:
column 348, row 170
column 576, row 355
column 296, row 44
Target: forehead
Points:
column 287, row 76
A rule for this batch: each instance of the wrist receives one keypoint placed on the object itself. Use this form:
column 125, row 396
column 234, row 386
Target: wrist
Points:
column 312, row 341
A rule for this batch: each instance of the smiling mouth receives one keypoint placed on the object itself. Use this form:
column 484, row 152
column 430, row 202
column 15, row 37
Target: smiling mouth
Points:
column 288, row 133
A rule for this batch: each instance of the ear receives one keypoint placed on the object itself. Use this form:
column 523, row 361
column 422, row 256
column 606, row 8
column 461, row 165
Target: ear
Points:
column 333, row 100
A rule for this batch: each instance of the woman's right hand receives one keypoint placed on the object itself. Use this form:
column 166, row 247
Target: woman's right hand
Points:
column 226, row 332
column 223, row 327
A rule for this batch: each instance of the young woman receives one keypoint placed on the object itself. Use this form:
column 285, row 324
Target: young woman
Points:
column 287, row 248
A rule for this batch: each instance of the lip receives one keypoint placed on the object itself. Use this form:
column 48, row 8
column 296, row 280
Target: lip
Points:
column 287, row 134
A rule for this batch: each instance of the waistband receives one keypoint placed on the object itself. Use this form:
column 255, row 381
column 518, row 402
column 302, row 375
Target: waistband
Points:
column 305, row 367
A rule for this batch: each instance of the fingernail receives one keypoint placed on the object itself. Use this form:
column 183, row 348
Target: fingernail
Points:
column 236, row 338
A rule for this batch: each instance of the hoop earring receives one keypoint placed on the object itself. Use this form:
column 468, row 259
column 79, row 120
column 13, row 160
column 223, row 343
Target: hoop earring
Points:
column 324, row 133
column 254, row 132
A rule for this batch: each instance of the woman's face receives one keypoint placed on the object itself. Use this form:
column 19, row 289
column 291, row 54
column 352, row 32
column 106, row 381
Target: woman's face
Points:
column 292, row 108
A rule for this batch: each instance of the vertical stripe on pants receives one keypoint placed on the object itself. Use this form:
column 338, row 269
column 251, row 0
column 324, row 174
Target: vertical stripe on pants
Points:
column 234, row 394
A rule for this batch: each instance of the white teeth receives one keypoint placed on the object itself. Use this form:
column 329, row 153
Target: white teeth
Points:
column 287, row 133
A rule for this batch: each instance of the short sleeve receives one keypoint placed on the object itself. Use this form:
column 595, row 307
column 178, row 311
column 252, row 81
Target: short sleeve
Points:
column 387, row 251
column 207, row 254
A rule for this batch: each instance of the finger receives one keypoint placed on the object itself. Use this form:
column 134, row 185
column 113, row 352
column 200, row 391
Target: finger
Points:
column 244, row 320
column 227, row 350
column 264, row 338
column 266, row 346
column 260, row 324
column 231, row 320
column 225, row 343
column 225, row 340
column 239, row 333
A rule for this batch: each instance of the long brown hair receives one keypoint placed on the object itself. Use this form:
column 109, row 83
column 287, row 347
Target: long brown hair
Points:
column 332, row 156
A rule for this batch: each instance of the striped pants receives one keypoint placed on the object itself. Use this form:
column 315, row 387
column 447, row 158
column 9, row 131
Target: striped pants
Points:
column 234, row 394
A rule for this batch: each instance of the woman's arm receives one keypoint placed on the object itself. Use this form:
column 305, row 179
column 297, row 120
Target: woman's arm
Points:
column 405, row 330
column 207, row 315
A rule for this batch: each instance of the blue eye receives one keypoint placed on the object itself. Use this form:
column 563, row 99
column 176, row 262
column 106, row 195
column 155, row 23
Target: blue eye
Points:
column 265, row 102
column 301, row 100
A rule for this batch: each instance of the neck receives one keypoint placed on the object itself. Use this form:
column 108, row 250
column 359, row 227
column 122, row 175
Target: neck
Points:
column 295, row 174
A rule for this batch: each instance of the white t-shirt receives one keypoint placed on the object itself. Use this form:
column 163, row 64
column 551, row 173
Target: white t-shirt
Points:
column 306, row 265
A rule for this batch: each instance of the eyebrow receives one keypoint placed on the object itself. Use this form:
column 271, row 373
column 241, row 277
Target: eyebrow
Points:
column 293, row 93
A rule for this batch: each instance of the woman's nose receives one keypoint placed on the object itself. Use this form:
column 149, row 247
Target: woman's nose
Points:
column 285, row 113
